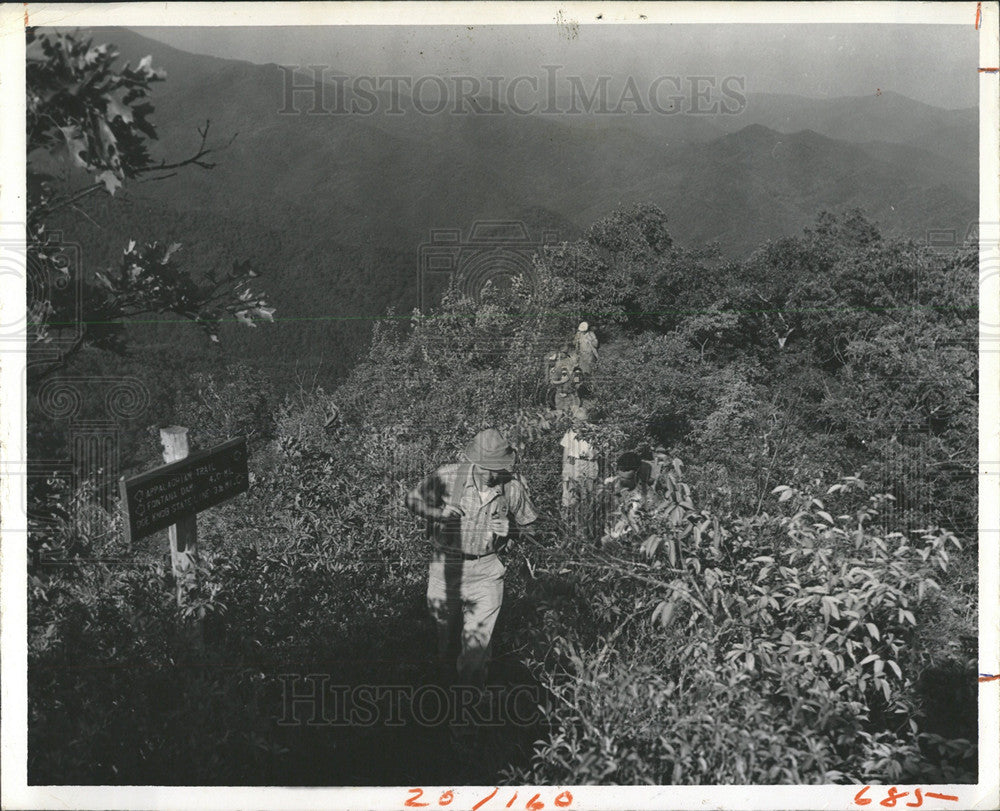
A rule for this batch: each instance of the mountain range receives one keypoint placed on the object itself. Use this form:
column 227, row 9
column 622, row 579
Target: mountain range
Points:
column 333, row 208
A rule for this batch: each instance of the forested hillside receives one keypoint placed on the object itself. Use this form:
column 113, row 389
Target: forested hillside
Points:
column 820, row 399
column 332, row 209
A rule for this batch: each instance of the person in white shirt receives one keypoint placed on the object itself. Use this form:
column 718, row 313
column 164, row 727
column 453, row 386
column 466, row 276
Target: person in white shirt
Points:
column 585, row 343
column 579, row 471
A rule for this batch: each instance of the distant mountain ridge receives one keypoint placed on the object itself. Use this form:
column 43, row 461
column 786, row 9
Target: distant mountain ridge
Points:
column 338, row 205
column 497, row 164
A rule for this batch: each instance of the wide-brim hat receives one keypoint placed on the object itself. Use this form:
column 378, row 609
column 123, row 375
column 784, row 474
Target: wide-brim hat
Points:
column 490, row 449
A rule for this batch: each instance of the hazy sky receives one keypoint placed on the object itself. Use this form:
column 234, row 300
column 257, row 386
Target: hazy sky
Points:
column 933, row 64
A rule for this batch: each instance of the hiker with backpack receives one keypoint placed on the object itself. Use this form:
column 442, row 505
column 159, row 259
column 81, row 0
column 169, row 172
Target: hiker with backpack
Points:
column 558, row 377
column 566, row 395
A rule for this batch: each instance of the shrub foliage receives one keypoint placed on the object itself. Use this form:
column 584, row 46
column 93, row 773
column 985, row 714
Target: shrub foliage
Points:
column 788, row 615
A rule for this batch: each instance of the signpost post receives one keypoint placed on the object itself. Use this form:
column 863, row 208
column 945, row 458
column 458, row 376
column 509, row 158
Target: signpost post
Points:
column 172, row 496
column 184, row 534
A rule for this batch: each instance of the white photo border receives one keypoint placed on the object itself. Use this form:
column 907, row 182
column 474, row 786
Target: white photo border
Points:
column 13, row 563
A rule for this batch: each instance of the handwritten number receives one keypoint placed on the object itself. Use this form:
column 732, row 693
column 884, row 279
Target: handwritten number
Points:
column 412, row 801
column 534, row 804
column 511, row 803
column 895, row 794
column 890, row 801
column 564, row 799
column 485, row 800
column 446, row 798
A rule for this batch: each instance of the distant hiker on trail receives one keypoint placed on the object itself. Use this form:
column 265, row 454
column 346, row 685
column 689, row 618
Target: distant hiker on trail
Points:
column 568, row 357
column 566, row 397
column 579, row 469
column 558, row 373
column 586, row 347
column 469, row 506
column 580, row 389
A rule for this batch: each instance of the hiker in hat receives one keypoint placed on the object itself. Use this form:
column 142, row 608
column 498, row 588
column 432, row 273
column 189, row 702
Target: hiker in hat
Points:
column 473, row 509
column 585, row 343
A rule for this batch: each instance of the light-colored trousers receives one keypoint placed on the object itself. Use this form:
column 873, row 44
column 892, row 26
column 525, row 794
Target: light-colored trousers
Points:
column 464, row 599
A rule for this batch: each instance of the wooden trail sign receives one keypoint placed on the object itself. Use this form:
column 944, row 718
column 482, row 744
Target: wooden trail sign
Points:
column 172, row 496
column 157, row 498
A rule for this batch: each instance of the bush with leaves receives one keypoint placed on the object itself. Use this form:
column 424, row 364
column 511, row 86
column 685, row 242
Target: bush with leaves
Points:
column 780, row 651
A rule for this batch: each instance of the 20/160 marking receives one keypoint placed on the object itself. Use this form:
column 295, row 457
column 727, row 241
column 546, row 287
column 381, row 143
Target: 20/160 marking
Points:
column 562, row 800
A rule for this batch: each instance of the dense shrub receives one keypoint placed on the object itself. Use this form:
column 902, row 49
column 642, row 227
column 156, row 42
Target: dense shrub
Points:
column 788, row 616
column 778, row 649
